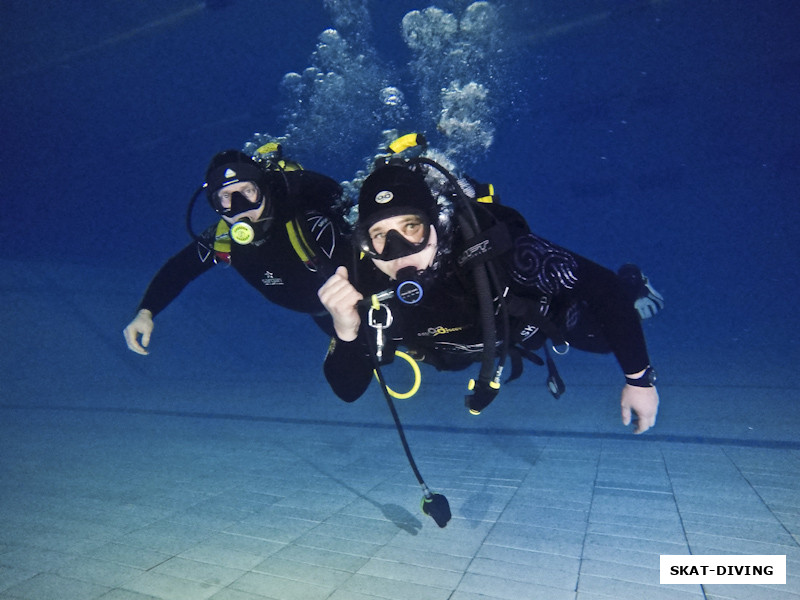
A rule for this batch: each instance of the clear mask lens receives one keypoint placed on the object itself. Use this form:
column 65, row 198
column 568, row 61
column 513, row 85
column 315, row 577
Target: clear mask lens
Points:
column 238, row 202
column 394, row 244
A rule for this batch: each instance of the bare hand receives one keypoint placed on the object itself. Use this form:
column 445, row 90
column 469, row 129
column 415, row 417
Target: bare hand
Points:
column 641, row 401
column 142, row 325
column 339, row 298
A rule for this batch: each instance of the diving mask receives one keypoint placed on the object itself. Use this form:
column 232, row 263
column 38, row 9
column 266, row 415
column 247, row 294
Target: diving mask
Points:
column 390, row 244
column 230, row 204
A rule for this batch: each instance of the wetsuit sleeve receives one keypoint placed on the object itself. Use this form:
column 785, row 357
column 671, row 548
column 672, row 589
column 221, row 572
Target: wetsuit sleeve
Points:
column 604, row 297
column 170, row 280
column 348, row 368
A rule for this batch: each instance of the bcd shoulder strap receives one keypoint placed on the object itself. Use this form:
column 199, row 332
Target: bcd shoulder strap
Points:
column 298, row 236
column 487, row 245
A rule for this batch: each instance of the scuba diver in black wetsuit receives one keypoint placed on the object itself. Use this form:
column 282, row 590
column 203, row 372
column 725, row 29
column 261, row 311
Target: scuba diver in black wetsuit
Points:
column 279, row 229
column 458, row 281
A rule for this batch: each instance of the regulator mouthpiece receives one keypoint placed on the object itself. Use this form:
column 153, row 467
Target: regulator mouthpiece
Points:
column 242, row 232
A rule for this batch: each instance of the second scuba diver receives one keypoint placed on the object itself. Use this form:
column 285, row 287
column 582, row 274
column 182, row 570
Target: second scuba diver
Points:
column 278, row 229
column 457, row 282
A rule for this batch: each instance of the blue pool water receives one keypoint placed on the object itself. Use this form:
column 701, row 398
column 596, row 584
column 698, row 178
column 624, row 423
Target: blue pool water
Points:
column 663, row 133
column 660, row 132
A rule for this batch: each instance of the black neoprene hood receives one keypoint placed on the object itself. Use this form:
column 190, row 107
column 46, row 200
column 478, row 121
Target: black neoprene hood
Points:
column 391, row 191
column 229, row 167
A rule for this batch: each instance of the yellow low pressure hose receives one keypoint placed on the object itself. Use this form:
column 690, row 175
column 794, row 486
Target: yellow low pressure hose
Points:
column 417, row 378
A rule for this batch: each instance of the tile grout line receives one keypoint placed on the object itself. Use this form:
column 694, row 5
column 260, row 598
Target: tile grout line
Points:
column 589, row 518
column 759, row 496
column 678, row 511
column 489, row 531
column 654, row 438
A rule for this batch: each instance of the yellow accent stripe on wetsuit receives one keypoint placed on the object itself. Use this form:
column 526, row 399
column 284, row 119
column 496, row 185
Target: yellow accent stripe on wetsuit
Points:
column 299, row 243
column 222, row 239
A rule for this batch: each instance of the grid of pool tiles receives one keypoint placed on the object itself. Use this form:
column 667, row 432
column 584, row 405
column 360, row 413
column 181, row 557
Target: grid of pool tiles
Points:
column 121, row 505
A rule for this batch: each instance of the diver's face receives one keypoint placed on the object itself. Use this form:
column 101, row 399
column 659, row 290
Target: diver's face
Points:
column 251, row 194
column 413, row 229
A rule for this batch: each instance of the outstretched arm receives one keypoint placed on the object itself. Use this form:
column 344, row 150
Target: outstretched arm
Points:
column 178, row 272
column 165, row 286
column 622, row 328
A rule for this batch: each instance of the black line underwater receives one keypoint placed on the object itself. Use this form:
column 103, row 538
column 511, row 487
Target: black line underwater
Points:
column 537, row 433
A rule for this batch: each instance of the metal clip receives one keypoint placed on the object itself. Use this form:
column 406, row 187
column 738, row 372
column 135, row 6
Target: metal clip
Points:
column 372, row 321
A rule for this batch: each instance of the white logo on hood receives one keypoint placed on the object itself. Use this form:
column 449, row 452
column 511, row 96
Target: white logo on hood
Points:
column 384, row 197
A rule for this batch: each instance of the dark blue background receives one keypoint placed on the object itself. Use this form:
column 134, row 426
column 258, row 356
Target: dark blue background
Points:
column 663, row 132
